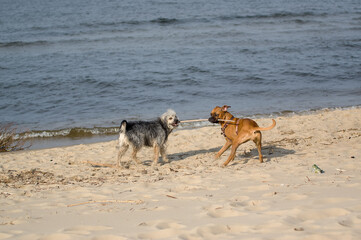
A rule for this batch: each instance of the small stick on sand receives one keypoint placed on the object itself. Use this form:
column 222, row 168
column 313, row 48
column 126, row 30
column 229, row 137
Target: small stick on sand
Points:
column 106, row 201
column 95, row 164
column 170, row 196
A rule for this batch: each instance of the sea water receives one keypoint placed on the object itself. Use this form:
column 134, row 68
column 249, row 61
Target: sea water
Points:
column 85, row 65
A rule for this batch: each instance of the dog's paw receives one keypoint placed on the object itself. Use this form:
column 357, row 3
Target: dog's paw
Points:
column 155, row 164
column 154, row 167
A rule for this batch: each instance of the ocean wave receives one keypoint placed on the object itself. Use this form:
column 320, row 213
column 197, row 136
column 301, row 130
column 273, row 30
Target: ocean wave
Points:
column 23, row 44
column 71, row 132
column 194, row 69
column 169, row 21
column 352, row 44
column 278, row 15
column 165, row 21
column 159, row 20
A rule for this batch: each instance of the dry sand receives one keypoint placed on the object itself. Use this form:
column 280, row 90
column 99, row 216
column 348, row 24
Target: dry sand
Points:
column 54, row 194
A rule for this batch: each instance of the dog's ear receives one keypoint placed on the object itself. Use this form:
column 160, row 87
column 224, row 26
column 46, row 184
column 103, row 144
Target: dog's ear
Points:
column 225, row 108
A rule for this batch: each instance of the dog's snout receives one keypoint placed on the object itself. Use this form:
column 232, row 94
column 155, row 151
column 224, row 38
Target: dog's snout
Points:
column 212, row 119
column 175, row 121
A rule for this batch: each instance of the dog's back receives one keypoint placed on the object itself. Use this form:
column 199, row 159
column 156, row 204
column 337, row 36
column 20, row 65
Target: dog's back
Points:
column 144, row 133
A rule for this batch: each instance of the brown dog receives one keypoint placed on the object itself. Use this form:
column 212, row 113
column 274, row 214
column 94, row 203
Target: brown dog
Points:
column 237, row 131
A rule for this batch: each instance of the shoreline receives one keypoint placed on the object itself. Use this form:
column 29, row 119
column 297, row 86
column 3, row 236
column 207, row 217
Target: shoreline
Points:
column 54, row 194
column 44, row 138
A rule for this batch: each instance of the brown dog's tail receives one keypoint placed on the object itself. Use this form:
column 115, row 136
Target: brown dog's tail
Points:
column 266, row 128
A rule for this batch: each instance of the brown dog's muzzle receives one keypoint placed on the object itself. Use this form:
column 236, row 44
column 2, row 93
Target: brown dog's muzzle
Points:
column 213, row 119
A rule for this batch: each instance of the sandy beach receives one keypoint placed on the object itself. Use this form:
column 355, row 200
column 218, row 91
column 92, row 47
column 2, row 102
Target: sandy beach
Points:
column 54, row 194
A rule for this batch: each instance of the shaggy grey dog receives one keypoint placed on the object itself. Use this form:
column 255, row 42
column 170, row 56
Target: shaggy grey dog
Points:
column 147, row 133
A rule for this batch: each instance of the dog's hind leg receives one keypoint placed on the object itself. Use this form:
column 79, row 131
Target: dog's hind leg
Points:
column 257, row 140
column 123, row 142
column 122, row 150
column 134, row 155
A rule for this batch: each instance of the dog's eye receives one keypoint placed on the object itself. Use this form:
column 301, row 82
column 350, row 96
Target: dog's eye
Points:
column 170, row 118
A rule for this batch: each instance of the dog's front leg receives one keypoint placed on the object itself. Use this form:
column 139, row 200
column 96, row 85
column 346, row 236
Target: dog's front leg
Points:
column 163, row 153
column 223, row 149
column 232, row 155
column 156, row 154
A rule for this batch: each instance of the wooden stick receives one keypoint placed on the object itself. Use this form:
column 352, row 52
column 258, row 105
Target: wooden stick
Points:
column 170, row 196
column 194, row 120
column 221, row 120
column 201, row 120
column 106, row 201
column 95, row 164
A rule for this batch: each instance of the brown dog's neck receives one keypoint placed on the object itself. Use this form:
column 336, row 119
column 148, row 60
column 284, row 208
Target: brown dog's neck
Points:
column 227, row 116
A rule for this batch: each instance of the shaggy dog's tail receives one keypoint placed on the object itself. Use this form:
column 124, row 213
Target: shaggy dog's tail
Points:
column 123, row 126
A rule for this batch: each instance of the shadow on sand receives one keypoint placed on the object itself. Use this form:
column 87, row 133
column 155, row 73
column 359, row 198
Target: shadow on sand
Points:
column 183, row 155
column 268, row 151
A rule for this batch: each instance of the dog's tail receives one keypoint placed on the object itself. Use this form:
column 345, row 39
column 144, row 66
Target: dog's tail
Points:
column 123, row 126
column 266, row 128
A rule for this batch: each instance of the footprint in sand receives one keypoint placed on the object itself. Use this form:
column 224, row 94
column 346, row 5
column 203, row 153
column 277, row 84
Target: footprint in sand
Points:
column 85, row 229
column 250, row 205
column 325, row 201
column 109, row 237
column 51, row 237
column 346, row 223
column 240, row 201
column 5, row 236
column 350, row 222
column 215, row 231
column 222, row 212
column 210, row 231
column 296, row 197
column 257, row 188
column 163, row 229
column 317, row 214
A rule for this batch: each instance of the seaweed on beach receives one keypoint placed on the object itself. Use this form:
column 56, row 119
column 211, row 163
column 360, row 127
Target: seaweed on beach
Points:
column 33, row 177
column 37, row 177
column 10, row 140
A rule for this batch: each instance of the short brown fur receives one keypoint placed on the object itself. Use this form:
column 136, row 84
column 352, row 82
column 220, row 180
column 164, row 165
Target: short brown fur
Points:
column 237, row 131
